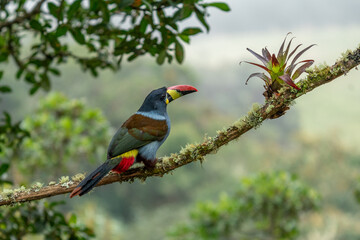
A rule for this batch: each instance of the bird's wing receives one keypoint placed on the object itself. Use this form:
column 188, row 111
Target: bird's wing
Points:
column 136, row 132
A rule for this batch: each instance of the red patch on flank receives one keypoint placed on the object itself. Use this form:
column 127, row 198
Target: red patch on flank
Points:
column 124, row 165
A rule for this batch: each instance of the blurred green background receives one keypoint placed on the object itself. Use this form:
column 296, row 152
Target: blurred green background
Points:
column 317, row 140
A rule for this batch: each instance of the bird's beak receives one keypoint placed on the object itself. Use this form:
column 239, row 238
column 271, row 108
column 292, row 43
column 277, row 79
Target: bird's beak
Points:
column 177, row 91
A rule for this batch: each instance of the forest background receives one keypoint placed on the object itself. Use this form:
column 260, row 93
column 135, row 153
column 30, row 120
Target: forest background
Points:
column 316, row 140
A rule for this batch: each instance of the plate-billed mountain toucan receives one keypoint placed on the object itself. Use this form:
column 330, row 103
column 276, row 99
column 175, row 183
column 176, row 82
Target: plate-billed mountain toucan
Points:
column 138, row 139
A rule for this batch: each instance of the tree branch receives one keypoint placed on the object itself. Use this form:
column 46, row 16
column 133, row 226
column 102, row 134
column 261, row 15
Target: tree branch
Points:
column 273, row 108
column 26, row 16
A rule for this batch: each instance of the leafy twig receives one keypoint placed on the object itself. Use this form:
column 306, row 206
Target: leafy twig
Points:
column 26, row 16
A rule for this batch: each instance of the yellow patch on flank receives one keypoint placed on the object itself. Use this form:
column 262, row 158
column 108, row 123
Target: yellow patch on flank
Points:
column 129, row 154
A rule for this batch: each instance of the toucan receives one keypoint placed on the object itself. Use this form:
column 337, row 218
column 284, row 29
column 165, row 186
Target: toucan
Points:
column 139, row 137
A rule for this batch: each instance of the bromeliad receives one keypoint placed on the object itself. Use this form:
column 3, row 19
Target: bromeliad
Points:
column 279, row 68
column 139, row 138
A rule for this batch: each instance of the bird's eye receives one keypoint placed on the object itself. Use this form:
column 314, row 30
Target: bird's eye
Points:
column 163, row 97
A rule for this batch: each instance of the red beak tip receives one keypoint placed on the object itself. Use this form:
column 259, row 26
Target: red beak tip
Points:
column 182, row 88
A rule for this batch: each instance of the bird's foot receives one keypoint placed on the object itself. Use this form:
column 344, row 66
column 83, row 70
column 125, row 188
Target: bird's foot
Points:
column 150, row 164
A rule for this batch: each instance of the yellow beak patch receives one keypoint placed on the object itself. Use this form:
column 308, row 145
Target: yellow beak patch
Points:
column 173, row 94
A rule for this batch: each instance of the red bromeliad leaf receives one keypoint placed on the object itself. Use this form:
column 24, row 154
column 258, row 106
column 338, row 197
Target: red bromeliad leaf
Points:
column 262, row 59
column 258, row 65
column 293, row 51
column 261, row 76
column 286, row 78
column 266, row 54
column 284, row 60
column 291, row 68
column 274, row 61
column 300, row 53
column 302, row 69
column 278, row 65
column 281, row 50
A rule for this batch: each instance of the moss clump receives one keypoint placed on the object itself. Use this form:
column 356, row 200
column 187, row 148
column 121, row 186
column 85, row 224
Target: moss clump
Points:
column 166, row 161
column 78, row 177
column 65, row 181
column 254, row 118
column 37, row 186
column 240, row 123
column 52, row 183
column 222, row 131
column 23, row 189
column 269, row 108
column 255, row 107
column 7, row 194
column 188, row 149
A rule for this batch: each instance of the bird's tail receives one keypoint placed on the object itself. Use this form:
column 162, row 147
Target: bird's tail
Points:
column 118, row 164
column 90, row 181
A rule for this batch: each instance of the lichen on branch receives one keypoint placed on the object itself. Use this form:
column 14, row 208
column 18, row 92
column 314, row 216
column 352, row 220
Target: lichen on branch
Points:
column 272, row 108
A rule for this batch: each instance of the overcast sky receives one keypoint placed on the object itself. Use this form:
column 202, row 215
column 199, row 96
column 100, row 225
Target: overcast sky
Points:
column 260, row 15
column 333, row 25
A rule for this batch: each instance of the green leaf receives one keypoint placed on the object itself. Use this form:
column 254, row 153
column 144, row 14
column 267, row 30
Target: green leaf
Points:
column 3, row 168
column 7, row 118
column 54, row 71
column 45, row 82
column 143, row 25
column 201, row 17
column 73, row 8
column 72, row 219
column 220, row 5
column 5, row 89
column 105, row 12
column 3, row 56
column 53, row 9
column 94, row 5
column 186, row 12
column 94, row 72
column 19, row 73
column 61, row 31
column 30, row 77
column 2, row 41
column 34, row 89
column 179, row 52
column 1, row 74
column 191, row 31
column 185, row 38
column 34, row 24
column 161, row 58
column 77, row 35
column 132, row 57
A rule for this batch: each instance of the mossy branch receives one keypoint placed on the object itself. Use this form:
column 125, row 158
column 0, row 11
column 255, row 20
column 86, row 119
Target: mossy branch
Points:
column 273, row 108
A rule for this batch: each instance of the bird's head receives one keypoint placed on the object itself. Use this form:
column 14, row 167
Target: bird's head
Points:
column 177, row 91
column 159, row 98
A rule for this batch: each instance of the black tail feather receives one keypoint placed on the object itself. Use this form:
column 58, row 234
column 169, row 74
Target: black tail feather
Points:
column 90, row 181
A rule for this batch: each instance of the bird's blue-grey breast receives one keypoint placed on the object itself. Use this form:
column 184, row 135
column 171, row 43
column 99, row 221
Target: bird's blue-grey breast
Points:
column 154, row 106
